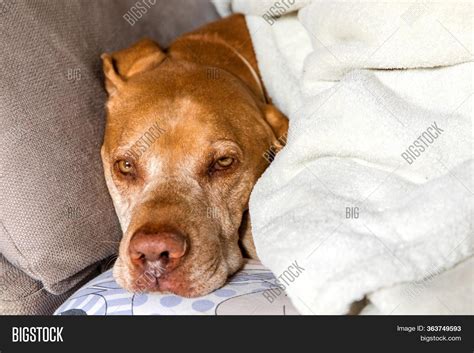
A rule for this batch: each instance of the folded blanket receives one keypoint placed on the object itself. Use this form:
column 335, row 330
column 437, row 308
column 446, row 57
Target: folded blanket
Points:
column 374, row 188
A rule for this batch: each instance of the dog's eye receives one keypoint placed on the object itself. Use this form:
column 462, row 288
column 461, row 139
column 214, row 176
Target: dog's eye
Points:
column 223, row 163
column 124, row 166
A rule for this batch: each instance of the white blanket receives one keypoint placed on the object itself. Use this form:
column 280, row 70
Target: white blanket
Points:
column 373, row 193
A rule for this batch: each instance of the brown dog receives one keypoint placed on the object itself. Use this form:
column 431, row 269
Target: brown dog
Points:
column 186, row 132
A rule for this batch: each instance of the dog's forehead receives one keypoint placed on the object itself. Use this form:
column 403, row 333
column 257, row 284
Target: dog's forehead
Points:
column 188, row 107
column 189, row 115
column 180, row 116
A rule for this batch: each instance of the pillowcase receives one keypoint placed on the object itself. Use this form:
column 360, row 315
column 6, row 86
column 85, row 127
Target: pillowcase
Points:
column 251, row 291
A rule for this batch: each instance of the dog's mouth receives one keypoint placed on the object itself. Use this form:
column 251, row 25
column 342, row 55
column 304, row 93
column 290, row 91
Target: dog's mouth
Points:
column 187, row 279
column 150, row 279
column 201, row 282
column 198, row 272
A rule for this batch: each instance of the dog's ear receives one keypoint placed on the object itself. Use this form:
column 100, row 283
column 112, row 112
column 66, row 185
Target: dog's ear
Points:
column 121, row 65
column 277, row 121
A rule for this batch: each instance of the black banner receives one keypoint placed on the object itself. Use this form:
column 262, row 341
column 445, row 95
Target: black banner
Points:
column 309, row 333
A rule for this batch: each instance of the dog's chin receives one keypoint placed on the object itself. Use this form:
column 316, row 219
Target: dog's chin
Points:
column 197, row 289
column 169, row 285
column 197, row 284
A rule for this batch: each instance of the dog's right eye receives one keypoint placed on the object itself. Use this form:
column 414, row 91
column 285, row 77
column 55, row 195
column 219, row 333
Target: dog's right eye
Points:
column 223, row 163
column 220, row 165
column 125, row 167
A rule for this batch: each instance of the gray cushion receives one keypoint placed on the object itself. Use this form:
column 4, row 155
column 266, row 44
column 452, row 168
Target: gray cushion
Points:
column 57, row 219
column 22, row 295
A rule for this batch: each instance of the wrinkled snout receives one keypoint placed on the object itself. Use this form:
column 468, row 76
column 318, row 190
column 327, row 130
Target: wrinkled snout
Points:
column 172, row 244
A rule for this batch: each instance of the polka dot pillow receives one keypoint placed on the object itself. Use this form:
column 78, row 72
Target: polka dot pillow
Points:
column 251, row 291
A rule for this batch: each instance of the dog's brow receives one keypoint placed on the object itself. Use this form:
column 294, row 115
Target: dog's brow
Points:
column 225, row 143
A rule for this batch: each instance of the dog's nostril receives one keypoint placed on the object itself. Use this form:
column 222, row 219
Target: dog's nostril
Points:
column 138, row 258
column 165, row 255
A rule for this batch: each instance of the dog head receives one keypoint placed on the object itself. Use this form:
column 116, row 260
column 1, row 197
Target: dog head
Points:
column 181, row 154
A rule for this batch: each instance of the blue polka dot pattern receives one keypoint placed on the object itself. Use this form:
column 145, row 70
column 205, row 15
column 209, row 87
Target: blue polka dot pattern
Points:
column 202, row 305
column 241, row 295
column 170, row 301
column 140, row 299
column 225, row 293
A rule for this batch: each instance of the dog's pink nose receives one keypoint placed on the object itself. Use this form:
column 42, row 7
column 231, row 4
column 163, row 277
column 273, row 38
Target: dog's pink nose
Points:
column 149, row 247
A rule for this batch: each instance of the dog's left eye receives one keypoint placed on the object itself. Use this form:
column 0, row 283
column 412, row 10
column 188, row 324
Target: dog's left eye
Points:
column 223, row 163
column 124, row 166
